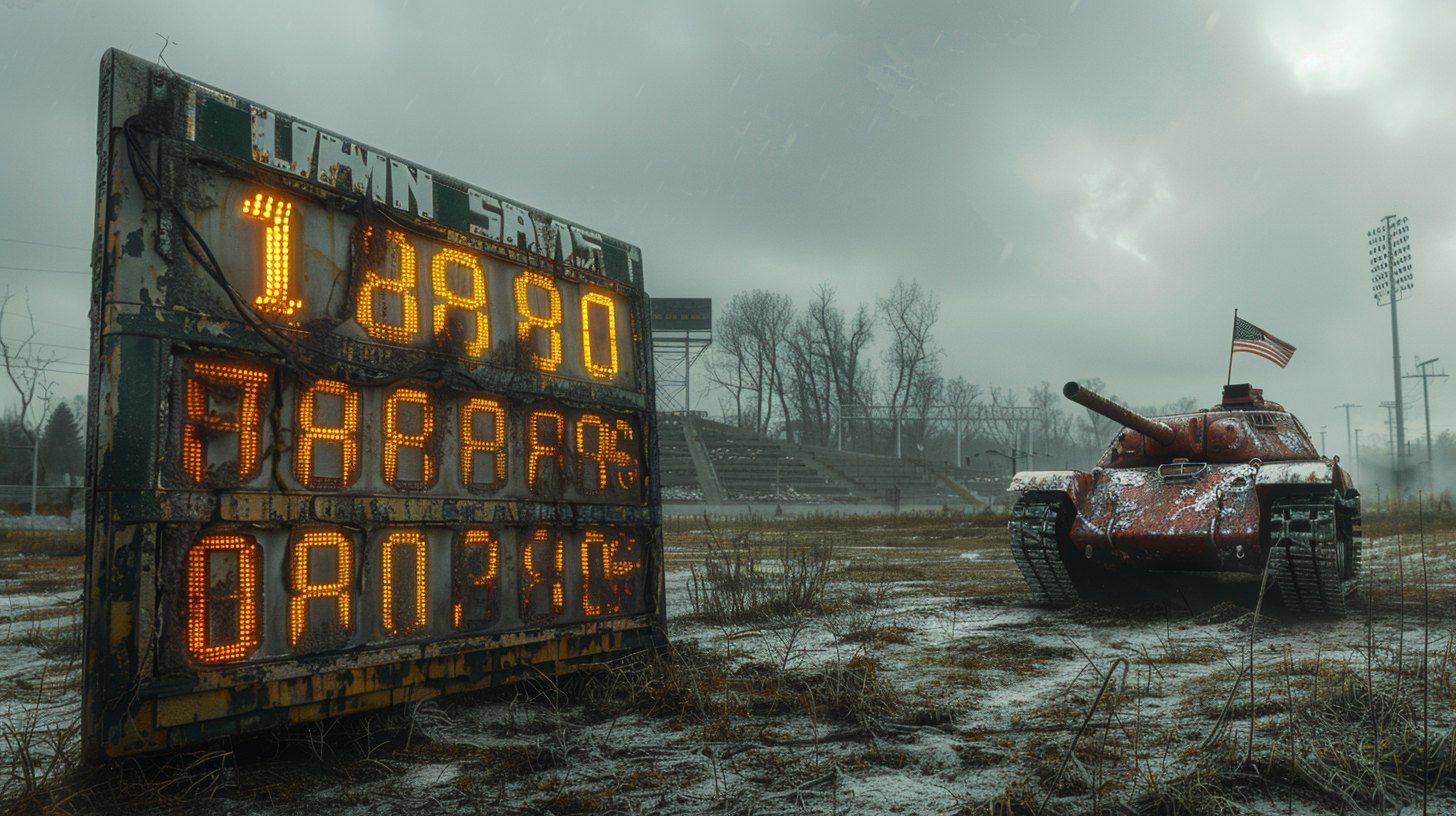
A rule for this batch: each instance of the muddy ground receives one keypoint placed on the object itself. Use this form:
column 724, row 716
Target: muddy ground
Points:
column 823, row 665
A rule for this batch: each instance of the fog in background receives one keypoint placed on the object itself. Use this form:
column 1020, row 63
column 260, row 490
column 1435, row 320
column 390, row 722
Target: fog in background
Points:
column 1088, row 188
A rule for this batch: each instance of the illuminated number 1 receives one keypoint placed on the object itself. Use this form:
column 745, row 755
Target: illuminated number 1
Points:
column 372, row 309
column 603, row 369
column 532, row 320
column 222, row 598
column 277, row 214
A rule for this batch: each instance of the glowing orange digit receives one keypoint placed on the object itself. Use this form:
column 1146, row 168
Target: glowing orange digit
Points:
column 209, row 389
column 542, row 568
column 474, row 304
column 223, row 623
column 596, row 441
column 475, row 547
column 303, row 589
column 471, row 444
column 626, row 465
column 609, row 571
column 274, row 299
column 310, row 434
column 530, row 321
column 545, row 446
column 372, row 310
column 608, row 368
column 416, row 541
column 394, row 438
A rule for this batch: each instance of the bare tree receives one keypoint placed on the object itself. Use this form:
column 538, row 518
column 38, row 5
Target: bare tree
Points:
column 825, row 353
column 910, row 314
column 749, row 358
column 28, row 369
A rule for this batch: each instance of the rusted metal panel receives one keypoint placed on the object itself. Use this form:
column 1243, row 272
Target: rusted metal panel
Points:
column 361, row 433
column 1207, row 520
column 1072, row 482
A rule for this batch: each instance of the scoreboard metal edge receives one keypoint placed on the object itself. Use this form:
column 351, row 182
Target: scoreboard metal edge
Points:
column 129, row 706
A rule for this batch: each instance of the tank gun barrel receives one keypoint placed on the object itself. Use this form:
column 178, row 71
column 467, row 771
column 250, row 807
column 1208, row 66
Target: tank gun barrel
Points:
column 1162, row 433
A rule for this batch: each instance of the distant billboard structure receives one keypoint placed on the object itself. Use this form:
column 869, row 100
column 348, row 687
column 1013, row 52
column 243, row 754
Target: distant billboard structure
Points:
column 682, row 329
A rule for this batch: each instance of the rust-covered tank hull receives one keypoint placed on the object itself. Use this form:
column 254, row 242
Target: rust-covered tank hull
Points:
column 1238, row 489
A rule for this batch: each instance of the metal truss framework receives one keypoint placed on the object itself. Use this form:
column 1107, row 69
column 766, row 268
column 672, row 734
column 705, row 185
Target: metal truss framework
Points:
column 673, row 355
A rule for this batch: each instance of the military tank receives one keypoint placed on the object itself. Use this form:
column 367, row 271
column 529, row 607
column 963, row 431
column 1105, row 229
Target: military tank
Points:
column 1227, row 491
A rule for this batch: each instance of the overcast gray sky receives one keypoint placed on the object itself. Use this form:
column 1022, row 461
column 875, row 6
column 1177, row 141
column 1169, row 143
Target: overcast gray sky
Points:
column 1089, row 187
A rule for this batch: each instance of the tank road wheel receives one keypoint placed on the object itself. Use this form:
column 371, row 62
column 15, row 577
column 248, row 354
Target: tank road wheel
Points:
column 1314, row 552
column 1040, row 529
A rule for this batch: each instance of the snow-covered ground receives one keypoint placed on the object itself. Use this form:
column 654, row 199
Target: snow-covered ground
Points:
column 926, row 685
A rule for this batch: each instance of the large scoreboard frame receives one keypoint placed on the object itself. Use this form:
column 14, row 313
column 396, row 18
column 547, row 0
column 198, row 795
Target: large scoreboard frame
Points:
column 360, row 433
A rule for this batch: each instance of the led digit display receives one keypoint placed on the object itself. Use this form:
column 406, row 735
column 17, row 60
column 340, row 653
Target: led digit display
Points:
column 542, row 317
column 277, row 214
column 332, row 583
column 543, row 582
column 475, row 414
column 627, row 464
column 545, row 439
column 411, row 614
column 365, row 432
column 337, row 438
column 223, row 622
column 395, row 319
column 411, row 437
column 597, row 451
column 222, row 403
column 477, row 572
column 476, row 338
column 603, row 577
column 603, row 366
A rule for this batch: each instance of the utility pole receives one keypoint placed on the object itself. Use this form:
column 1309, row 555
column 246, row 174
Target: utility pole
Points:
column 1349, row 451
column 1426, row 396
column 1357, row 456
column 1390, row 409
column 1390, row 277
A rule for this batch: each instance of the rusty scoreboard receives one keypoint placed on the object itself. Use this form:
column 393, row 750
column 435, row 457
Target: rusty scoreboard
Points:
column 361, row 433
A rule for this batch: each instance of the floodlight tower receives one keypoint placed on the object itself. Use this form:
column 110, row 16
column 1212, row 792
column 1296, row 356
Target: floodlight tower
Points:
column 1391, row 277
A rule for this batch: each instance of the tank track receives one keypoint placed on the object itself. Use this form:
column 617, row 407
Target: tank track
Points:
column 1036, row 526
column 1305, row 537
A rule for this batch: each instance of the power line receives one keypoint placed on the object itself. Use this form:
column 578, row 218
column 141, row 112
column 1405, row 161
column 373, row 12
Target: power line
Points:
column 53, row 246
column 33, row 269
column 39, row 343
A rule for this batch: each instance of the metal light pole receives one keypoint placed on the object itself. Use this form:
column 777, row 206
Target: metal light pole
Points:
column 1390, row 277
column 1390, row 414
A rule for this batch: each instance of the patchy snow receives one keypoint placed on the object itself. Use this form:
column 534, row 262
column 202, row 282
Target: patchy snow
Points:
column 964, row 692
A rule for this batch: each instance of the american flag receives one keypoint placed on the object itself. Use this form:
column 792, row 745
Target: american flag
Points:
column 1251, row 338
